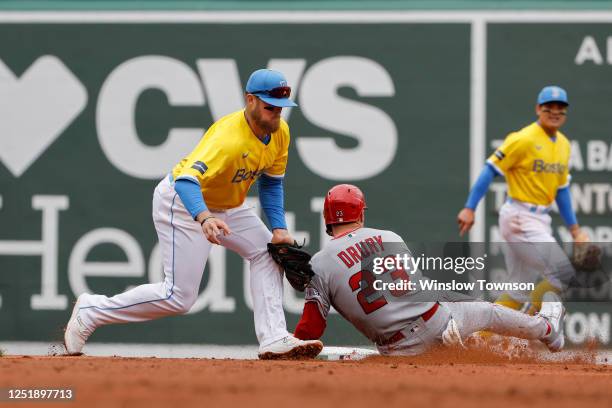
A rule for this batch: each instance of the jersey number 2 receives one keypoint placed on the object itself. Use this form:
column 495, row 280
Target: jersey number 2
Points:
column 367, row 289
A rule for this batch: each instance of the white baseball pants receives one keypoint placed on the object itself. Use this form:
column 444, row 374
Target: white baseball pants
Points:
column 185, row 250
column 471, row 317
column 531, row 252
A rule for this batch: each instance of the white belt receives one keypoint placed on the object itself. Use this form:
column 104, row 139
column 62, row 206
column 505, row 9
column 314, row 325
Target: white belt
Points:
column 533, row 208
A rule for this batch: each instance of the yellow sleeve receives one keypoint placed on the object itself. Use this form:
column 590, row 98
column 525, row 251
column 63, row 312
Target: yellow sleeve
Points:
column 206, row 160
column 279, row 166
column 508, row 154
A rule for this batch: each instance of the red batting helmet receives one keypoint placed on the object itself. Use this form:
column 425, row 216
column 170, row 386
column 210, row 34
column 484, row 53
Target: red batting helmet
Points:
column 343, row 203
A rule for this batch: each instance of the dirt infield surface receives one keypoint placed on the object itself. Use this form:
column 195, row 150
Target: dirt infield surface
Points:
column 444, row 378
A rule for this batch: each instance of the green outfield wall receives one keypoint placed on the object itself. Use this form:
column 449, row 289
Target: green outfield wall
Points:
column 96, row 107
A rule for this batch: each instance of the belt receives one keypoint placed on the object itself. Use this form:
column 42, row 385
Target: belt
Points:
column 533, row 208
column 429, row 314
column 217, row 210
column 400, row 336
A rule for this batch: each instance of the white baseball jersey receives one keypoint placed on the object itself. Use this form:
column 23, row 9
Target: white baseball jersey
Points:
column 344, row 279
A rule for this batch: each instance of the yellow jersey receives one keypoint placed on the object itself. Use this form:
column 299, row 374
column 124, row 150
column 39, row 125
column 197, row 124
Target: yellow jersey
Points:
column 229, row 158
column 535, row 165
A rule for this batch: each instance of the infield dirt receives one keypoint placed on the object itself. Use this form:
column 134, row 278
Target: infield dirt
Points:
column 449, row 378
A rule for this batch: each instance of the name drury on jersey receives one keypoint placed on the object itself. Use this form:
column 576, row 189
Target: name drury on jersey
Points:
column 434, row 285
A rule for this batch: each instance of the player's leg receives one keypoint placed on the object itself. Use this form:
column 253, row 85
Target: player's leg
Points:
column 516, row 272
column 249, row 239
column 531, row 254
column 472, row 317
column 537, row 294
column 517, row 267
column 556, row 271
column 547, row 326
column 522, row 262
column 184, row 252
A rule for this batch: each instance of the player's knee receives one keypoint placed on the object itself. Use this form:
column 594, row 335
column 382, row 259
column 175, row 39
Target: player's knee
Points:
column 182, row 307
column 183, row 302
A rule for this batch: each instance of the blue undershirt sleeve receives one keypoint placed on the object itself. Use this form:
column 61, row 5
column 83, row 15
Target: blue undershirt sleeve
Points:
column 564, row 202
column 480, row 187
column 191, row 196
column 271, row 197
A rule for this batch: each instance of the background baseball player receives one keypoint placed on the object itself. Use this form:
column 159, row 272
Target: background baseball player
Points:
column 535, row 163
column 399, row 321
column 201, row 203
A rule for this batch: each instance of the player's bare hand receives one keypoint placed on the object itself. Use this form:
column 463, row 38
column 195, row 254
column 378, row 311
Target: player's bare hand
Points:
column 281, row 236
column 465, row 219
column 213, row 227
column 579, row 235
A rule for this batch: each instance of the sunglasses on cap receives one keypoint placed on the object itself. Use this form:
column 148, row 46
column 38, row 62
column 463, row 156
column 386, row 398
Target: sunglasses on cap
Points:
column 280, row 92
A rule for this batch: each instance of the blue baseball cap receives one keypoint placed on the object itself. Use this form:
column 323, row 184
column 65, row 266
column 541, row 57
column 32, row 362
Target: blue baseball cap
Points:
column 552, row 94
column 271, row 87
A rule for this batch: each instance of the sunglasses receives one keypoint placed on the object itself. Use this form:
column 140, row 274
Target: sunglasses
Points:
column 561, row 112
column 280, row 92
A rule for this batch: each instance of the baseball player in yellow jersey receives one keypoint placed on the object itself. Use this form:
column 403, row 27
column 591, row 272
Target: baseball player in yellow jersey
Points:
column 201, row 203
column 535, row 163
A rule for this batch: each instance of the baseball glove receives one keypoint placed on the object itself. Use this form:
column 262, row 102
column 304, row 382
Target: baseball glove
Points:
column 586, row 256
column 295, row 262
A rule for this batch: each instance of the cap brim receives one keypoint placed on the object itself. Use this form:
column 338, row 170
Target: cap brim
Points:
column 278, row 102
column 554, row 100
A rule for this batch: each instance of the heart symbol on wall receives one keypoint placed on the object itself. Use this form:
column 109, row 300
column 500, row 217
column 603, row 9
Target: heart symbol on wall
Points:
column 35, row 109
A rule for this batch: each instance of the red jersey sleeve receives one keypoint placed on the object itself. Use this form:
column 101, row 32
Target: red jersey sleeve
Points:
column 312, row 325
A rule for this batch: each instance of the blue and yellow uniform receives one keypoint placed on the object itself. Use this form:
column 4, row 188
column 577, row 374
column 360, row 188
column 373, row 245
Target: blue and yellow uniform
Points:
column 535, row 165
column 229, row 159
column 231, row 156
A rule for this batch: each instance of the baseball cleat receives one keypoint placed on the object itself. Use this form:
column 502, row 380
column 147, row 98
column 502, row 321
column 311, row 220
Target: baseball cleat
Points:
column 291, row 348
column 451, row 336
column 76, row 333
column 554, row 312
